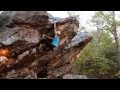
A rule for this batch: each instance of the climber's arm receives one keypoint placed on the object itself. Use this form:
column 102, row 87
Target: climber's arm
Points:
column 55, row 29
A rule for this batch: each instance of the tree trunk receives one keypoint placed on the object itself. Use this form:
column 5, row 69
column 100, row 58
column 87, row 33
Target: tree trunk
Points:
column 116, row 38
column 20, row 53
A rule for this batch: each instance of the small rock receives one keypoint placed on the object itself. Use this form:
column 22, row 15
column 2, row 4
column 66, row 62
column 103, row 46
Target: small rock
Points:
column 72, row 76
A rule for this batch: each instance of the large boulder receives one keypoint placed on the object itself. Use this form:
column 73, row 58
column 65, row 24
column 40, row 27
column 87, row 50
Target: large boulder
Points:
column 20, row 42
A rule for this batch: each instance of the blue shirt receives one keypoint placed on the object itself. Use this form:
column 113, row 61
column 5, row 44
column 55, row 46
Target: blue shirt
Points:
column 55, row 41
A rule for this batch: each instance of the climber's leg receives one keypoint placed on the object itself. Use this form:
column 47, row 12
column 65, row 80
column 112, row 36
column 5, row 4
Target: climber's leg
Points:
column 48, row 43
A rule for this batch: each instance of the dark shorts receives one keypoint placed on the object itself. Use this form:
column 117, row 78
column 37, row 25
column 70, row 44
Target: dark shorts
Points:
column 48, row 43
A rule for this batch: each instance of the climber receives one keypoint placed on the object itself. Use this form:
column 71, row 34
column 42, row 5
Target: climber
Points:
column 52, row 43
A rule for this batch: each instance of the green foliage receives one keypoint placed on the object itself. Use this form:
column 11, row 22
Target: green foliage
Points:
column 117, row 74
column 98, row 57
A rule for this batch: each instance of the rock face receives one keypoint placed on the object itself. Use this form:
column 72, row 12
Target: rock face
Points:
column 20, row 42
